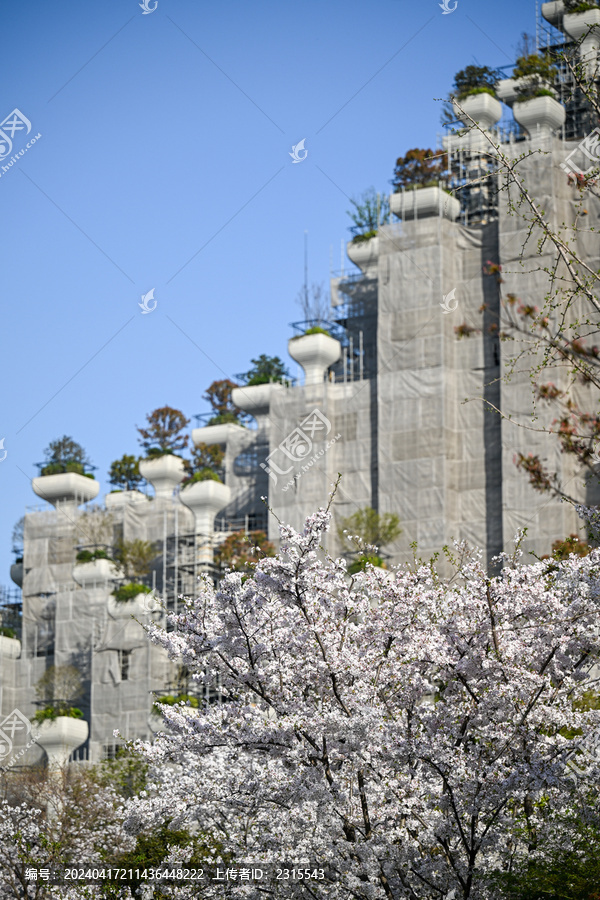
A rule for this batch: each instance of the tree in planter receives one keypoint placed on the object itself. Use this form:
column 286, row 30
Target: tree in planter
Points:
column 264, row 370
column 95, row 530
column 539, row 72
column 163, row 432
column 370, row 211
column 419, row 167
column 314, row 303
column 469, row 81
column 206, row 458
column 218, row 394
column 241, row 551
column 124, row 473
column 130, row 591
column 474, row 80
column 135, row 557
column 58, row 689
column 363, row 723
column 368, row 532
column 65, row 455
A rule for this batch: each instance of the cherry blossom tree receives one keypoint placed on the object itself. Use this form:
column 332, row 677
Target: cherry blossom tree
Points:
column 409, row 736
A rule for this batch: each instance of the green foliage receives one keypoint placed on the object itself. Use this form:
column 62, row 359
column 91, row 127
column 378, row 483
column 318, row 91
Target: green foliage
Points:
column 202, row 475
column 370, row 211
column 7, row 632
column 125, row 473
column 420, row 167
column 474, row 79
column 130, row 591
column 207, row 456
column 85, row 556
column 574, row 6
column 566, row 869
column 52, row 712
column 535, row 64
column 371, row 528
column 172, row 700
column 218, row 394
column 538, row 73
column 135, row 557
column 163, row 432
column 126, row 773
column 65, row 455
column 151, row 848
column 264, row 370
column 361, row 238
column 360, row 564
column 316, row 329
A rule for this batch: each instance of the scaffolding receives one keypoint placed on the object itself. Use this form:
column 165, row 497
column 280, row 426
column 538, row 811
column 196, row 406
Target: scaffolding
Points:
column 11, row 610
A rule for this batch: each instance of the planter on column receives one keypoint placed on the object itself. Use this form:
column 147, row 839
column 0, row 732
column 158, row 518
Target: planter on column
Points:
column 365, row 255
column 419, row 203
column 540, row 116
column 256, row 400
column 508, row 89
column 315, row 353
column 482, row 108
column 95, row 573
column 553, row 11
column 59, row 737
column 205, row 499
column 218, row 434
column 577, row 26
column 66, row 490
column 164, row 473
column 141, row 605
column 10, row 648
column 16, row 573
column 118, row 499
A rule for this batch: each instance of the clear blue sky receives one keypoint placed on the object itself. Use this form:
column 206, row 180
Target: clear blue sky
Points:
column 163, row 163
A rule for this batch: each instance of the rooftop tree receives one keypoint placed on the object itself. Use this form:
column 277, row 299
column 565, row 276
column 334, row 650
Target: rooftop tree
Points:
column 162, row 434
column 124, row 473
column 264, row 370
column 370, row 211
column 65, row 455
column 218, row 394
column 419, row 167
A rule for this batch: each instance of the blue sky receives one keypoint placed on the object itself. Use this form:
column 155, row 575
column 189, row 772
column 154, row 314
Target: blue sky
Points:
column 164, row 163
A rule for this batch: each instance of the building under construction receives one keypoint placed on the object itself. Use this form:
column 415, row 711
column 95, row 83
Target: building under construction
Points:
column 393, row 398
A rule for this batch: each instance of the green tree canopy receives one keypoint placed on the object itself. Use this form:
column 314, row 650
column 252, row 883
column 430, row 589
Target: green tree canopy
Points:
column 370, row 211
column 65, row 455
column 419, row 167
column 163, row 432
column 473, row 79
column 207, row 456
column 218, row 394
column 135, row 557
column 264, row 370
column 371, row 528
column 124, row 473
